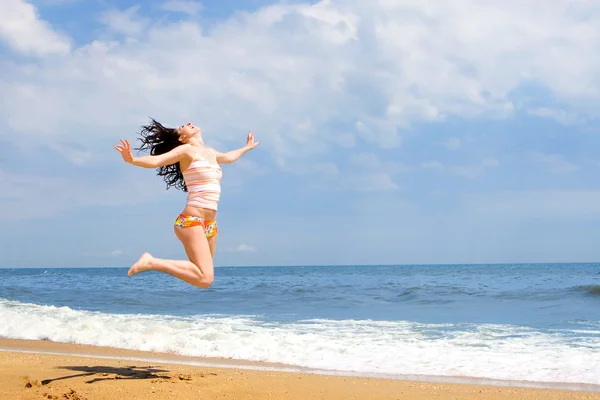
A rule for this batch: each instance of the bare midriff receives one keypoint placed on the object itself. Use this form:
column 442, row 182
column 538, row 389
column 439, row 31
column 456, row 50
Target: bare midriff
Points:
column 204, row 213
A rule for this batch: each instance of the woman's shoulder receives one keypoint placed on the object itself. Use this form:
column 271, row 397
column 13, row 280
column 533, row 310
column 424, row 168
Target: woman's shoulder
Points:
column 187, row 150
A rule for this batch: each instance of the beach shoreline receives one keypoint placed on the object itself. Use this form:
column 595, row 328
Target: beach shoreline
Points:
column 40, row 361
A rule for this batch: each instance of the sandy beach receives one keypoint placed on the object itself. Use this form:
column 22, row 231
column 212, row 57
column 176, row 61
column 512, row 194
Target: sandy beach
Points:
column 46, row 370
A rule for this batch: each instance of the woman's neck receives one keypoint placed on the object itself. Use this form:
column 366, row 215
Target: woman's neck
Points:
column 196, row 142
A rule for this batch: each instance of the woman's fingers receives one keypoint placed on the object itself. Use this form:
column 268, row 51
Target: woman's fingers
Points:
column 125, row 146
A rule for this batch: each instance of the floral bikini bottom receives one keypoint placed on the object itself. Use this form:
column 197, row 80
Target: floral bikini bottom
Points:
column 186, row 221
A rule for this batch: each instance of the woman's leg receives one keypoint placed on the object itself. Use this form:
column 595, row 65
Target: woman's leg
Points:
column 212, row 245
column 198, row 271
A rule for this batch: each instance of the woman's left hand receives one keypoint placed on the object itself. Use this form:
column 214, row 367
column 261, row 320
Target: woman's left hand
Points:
column 250, row 143
column 125, row 151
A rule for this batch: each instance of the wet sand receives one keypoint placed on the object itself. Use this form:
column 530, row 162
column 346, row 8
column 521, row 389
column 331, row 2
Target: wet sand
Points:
column 45, row 370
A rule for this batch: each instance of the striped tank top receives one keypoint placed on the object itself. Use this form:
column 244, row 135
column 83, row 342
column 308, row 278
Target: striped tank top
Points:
column 203, row 181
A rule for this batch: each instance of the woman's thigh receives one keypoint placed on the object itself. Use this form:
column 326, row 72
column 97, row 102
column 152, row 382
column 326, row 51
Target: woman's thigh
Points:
column 196, row 247
column 212, row 245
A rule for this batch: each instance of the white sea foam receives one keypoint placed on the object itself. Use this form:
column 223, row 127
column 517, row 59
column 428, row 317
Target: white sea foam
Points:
column 386, row 347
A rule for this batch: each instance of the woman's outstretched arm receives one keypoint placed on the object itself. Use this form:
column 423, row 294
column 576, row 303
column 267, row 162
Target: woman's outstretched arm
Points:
column 168, row 158
column 231, row 156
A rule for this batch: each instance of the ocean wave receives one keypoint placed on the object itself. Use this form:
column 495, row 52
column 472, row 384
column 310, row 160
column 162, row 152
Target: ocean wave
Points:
column 592, row 290
column 364, row 346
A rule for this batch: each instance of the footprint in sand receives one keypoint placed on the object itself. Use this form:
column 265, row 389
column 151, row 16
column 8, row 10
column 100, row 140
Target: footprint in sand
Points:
column 31, row 384
column 70, row 395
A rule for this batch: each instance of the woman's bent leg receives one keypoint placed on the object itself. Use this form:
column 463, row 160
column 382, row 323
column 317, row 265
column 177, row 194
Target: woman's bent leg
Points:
column 198, row 271
column 198, row 251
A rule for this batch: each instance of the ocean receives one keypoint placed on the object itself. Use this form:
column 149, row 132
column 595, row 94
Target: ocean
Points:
column 518, row 322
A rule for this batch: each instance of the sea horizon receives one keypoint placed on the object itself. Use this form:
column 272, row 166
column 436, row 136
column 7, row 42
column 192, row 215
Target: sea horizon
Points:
column 338, row 265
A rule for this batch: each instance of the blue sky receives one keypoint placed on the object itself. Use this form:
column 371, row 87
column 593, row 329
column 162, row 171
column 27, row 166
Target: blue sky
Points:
column 408, row 132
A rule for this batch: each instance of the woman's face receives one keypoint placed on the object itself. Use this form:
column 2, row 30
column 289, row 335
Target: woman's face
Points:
column 188, row 131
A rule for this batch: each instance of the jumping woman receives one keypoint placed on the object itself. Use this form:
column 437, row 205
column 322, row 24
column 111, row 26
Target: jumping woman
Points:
column 182, row 159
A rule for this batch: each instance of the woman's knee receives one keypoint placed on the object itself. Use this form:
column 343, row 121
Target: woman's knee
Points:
column 206, row 282
column 206, row 274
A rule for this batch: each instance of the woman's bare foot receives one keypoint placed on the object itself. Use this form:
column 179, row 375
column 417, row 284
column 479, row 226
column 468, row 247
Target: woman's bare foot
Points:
column 143, row 264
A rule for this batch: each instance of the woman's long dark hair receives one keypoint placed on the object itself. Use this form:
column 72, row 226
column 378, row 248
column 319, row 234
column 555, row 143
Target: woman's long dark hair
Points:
column 159, row 140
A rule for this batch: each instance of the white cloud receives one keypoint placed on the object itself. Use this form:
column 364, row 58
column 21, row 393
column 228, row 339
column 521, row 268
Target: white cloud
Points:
column 54, row 2
column 344, row 139
column 373, row 182
column 559, row 115
column 76, row 154
column 368, row 173
column 452, row 144
column 371, row 162
column 326, row 168
column 307, row 78
column 20, row 194
column 243, row 248
column 23, row 30
column 555, row 163
column 184, row 6
column 116, row 253
column 126, row 22
column 470, row 171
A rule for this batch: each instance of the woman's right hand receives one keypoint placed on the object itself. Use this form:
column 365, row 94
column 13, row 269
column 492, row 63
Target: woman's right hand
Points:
column 125, row 151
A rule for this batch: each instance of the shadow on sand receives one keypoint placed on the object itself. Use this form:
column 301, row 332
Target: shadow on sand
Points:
column 111, row 373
